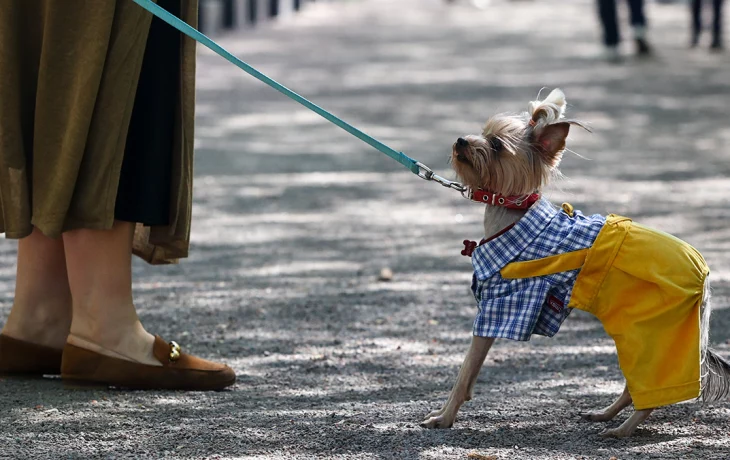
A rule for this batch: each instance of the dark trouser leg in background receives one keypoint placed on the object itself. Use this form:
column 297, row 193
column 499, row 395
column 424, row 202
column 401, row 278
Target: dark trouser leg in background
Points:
column 607, row 13
column 638, row 22
column 696, row 6
column 717, row 24
column 636, row 7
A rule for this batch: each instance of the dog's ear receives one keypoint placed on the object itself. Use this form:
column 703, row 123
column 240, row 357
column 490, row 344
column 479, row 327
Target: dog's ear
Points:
column 550, row 142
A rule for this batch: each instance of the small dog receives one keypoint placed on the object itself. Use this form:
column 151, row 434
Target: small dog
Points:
column 537, row 262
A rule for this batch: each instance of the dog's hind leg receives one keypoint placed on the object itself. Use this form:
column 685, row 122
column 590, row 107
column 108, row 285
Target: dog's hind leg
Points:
column 628, row 427
column 611, row 411
column 462, row 391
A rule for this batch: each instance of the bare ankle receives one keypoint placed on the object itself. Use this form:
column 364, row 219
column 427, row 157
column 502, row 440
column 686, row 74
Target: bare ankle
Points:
column 129, row 342
column 103, row 319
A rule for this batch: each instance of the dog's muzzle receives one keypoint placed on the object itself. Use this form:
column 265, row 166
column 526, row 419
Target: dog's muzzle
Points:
column 460, row 148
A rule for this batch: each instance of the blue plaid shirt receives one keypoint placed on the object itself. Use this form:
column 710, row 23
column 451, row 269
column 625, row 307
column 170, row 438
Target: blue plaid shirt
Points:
column 517, row 308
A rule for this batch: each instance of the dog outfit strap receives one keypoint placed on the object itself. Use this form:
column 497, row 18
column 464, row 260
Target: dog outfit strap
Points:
column 546, row 266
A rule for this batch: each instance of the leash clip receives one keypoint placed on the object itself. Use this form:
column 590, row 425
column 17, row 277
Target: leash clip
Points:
column 426, row 173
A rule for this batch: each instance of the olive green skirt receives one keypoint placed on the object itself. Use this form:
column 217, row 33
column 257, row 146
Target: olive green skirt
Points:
column 87, row 132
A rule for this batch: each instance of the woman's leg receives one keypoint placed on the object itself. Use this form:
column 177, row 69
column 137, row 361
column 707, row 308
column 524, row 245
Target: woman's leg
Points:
column 108, row 344
column 99, row 264
column 41, row 312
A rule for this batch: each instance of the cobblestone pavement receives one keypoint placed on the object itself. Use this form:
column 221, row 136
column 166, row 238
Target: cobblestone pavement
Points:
column 294, row 219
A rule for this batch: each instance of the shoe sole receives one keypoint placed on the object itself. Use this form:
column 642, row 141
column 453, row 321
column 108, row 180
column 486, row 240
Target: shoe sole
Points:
column 71, row 383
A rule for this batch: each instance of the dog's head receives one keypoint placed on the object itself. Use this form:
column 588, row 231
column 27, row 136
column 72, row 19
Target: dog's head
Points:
column 515, row 154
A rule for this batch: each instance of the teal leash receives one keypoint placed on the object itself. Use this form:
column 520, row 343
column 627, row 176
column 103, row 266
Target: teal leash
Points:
column 414, row 166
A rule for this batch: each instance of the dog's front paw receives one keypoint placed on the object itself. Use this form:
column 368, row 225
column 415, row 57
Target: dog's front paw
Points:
column 616, row 433
column 439, row 419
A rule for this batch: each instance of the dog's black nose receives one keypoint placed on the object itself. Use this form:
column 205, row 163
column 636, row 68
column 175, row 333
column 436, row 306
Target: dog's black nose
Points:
column 461, row 142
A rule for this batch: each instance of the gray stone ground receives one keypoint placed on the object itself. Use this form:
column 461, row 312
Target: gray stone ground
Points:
column 294, row 218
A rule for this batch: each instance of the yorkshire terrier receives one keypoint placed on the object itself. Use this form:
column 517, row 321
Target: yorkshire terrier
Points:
column 537, row 262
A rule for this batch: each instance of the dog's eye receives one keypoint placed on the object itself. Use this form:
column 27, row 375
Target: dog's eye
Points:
column 496, row 144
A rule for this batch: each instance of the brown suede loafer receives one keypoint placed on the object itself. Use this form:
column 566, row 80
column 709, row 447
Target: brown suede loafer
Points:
column 18, row 357
column 179, row 371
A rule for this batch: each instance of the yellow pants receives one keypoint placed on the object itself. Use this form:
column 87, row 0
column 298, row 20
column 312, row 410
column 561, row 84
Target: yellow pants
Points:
column 646, row 288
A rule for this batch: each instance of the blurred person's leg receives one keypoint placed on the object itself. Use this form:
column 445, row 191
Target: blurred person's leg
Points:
column 608, row 16
column 637, row 16
column 638, row 23
column 717, row 24
column 696, row 6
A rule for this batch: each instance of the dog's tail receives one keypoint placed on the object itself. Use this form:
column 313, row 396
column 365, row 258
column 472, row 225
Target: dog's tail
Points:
column 715, row 369
column 715, row 377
